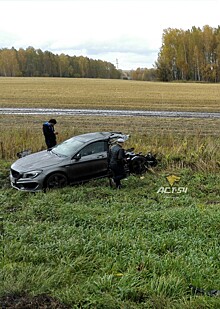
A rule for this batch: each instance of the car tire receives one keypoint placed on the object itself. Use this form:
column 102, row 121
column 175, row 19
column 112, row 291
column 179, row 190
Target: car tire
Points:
column 56, row 180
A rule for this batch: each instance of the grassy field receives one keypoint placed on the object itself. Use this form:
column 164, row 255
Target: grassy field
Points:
column 94, row 247
column 105, row 94
column 91, row 246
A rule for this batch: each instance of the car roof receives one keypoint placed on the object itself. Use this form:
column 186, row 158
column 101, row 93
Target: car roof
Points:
column 98, row 136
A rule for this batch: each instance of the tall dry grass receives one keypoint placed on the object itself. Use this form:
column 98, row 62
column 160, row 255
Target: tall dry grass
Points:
column 179, row 143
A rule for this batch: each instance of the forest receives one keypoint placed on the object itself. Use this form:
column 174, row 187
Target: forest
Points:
column 192, row 55
column 32, row 62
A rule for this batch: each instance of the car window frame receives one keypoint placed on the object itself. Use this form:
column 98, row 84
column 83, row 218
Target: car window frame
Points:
column 105, row 148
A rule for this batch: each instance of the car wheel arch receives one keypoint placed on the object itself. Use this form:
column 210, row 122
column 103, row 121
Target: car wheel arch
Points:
column 53, row 174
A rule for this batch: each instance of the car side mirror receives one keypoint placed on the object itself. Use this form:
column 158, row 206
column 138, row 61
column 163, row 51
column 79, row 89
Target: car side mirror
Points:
column 77, row 157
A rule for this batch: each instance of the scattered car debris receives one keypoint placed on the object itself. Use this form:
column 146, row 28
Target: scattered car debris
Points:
column 199, row 291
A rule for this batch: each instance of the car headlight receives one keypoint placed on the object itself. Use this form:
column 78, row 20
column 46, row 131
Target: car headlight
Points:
column 31, row 174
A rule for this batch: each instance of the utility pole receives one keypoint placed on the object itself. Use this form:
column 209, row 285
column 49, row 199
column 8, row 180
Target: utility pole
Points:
column 117, row 64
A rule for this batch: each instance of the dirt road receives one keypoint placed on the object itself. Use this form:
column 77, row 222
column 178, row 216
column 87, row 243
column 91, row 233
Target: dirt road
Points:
column 100, row 112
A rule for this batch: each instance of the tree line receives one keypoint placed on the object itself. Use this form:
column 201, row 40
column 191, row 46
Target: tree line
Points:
column 32, row 62
column 192, row 55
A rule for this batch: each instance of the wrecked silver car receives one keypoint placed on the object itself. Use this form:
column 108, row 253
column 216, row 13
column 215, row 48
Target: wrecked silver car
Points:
column 75, row 160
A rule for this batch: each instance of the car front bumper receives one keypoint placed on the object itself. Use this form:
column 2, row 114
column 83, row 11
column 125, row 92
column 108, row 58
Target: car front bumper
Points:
column 29, row 185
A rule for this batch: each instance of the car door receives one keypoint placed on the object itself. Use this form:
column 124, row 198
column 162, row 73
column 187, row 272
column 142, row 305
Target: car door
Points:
column 90, row 162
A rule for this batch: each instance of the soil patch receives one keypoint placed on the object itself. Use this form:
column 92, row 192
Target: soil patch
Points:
column 25, row 301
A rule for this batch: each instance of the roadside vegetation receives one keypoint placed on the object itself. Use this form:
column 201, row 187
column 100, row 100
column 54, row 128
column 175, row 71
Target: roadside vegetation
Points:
column 94, row 247
column 90, row 246
column 178, row 143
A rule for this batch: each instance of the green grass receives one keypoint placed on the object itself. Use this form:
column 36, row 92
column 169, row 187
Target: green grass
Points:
column 94, row 247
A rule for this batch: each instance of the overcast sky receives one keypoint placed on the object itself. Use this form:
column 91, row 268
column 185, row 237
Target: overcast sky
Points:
column 127, row 33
